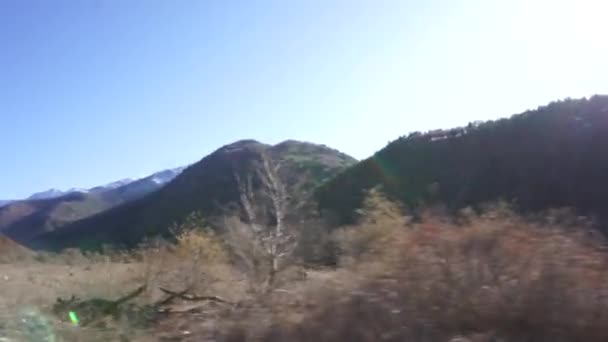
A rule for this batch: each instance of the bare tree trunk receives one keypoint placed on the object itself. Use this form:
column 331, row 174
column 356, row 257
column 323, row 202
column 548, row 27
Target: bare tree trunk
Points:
column 277, row 242
column 278, row 196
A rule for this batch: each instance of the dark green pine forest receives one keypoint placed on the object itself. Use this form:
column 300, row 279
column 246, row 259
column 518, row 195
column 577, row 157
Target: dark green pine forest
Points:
column 554, row 156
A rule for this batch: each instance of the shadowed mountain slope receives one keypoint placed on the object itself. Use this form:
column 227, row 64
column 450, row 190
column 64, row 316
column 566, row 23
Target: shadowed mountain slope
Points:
column 554, row 156
column 24, row 220
column 208, row 187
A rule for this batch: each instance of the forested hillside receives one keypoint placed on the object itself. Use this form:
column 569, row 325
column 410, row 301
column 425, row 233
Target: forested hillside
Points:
column 553, row 156
column 208, row 187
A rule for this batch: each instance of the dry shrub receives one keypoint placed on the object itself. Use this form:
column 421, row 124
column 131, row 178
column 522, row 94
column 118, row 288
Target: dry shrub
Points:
column 380, row 222
column 497, row 277
column 197, row 260
column 201, row 245
column 317, row 246
column 247, row 253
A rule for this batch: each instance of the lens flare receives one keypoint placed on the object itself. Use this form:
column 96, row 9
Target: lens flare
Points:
column 73, row 318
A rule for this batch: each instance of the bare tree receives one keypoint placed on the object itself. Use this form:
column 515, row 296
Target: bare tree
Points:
column 269, row 241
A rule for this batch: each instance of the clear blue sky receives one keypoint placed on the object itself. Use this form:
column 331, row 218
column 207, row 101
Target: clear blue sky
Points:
column 93, row 91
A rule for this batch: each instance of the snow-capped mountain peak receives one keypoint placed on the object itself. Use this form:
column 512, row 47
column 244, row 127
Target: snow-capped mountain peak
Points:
column 111, row 186
column 159, row 178
column 165, row 176
column 80, row 190
column 51, row 193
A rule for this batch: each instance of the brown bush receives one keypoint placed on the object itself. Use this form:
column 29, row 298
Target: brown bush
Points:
column 380, row 222
column 497, row 278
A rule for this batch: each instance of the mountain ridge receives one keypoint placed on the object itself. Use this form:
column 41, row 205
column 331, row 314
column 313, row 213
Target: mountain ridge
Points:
column 540, row 159
column 25, row 219
column 54, row 193
column 206, row 186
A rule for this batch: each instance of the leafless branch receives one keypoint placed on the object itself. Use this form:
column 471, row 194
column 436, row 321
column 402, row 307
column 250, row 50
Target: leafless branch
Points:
column 276, row 241
column 194, row 298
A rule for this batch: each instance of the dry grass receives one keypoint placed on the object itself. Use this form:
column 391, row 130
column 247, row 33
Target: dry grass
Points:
column 31, row 286
column 495, row 277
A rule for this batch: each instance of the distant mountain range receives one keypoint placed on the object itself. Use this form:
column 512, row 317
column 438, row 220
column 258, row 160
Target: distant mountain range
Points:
column 49, row 210
column 208, row 187
column 51, row 193
column 159, row 178
column 551, row 157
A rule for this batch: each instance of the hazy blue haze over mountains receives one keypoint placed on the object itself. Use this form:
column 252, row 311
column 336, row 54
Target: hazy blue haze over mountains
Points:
column 158, row 178
column 49, row 210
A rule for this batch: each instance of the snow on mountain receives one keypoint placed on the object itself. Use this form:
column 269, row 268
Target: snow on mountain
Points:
column 51, row 193
column 119, row 183
column 165, row 176
column 81, row 190
column 111, row 186
column 54, row 193
column 159, row 178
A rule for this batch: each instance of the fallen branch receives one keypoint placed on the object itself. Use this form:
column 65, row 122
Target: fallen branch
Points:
column 93, row 310
column 171, row 297
column 130, row 296
column 194, row 298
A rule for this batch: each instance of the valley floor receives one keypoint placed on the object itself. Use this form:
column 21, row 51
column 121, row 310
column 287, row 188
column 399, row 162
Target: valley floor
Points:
column 492, row 278
column 29, row 290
